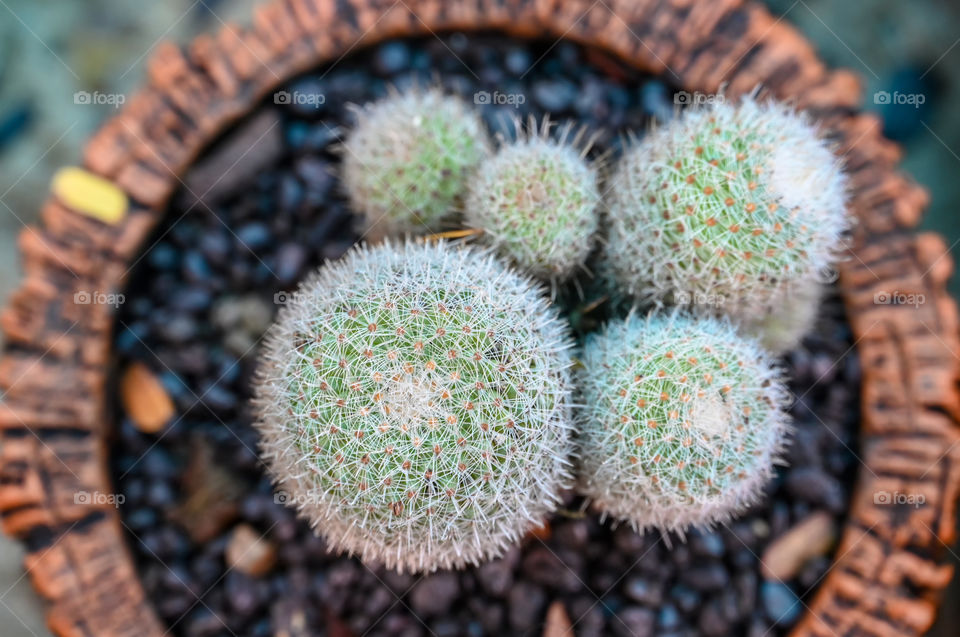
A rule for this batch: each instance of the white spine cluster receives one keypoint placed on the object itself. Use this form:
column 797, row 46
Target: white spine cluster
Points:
column 414, row 401
column 728, row 208
column 682, row 423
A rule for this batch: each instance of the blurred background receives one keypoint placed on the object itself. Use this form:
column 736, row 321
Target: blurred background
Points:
column 55, row 55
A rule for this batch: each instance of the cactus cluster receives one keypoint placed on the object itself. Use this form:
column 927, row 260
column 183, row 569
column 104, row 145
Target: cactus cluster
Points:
column 536, row 202
column 682, row 421
column 414, row 401
column 407, row 163
column 732, row 207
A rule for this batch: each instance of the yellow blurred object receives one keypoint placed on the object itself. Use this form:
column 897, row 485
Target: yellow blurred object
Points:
column 90, row 194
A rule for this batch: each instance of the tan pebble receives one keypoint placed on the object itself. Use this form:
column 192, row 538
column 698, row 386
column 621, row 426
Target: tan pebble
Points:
column 557, row 623
column 249, row 552
column 811, row 537
column 145, row 400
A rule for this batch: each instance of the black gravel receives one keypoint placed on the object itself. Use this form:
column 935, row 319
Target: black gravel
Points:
column 205, row 290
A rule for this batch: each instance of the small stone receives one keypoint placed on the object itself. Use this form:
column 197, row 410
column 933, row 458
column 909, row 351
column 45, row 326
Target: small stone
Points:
column 290, row 260
column 526, row 602
column 544, row 567
column 811, row 537
column 634, row 622
column 242, row 593
column 90, row 195
column 251, row 147
column 557, row 623
column 496, row 576
column 815, row 486
column 289, row 618
column 254, row 236
column 391, row 57
column 250, row 553
column 685, row 598
column 707, row 544
column 706, row 577
column 712, row 622
column 780, row 603
column 434, row 594
column 644, row 591
column 145, row 399
column 317, row 175
column 668, row 618
column 517, row 61
column 554, row 95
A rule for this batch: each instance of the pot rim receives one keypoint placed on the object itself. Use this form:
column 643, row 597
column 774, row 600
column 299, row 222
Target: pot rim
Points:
column 54, row 421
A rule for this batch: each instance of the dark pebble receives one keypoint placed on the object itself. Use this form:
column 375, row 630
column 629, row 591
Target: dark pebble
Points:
column 527, row 603
column 280, row 217
column 706, row 577
column 707, row 544
column 815, row 486
column 496, row 576
column 391, row 57
column 554, row 95
column 685, row 598
column 780, row 603
column 434, row 594
column 712, row 622
column 635, row 622
column 291, row 258
column 545, row 567
column 644, row 591
column 517, row 60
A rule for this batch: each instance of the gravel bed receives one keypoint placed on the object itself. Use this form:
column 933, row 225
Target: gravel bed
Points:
column 231, row 249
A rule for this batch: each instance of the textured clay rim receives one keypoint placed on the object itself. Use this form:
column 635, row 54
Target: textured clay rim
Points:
column 54, row 421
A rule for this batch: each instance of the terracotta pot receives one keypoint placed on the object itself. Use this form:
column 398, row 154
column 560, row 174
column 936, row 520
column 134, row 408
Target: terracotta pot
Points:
column 54, row 421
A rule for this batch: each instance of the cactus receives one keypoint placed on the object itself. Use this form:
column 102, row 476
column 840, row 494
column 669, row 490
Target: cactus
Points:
column 414, row 401
column 682, row 423
column 407, row 162
column 725, row 209
column 536, row 202
column 783, row 327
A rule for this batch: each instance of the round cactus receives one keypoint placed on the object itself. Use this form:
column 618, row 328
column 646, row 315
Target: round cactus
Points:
column 414, row 402
column 407, row 162
column 536, row 202
column 724, row 208
column 683, row 421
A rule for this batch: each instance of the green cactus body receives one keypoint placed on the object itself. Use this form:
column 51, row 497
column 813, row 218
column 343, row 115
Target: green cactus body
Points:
column 683, row 420
column 536, row 201
column 407, row 163
column 414, row 401
column 724, row 209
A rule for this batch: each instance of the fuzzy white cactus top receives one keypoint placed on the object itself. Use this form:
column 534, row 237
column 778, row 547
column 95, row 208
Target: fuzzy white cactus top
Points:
column 683, row 420
column 407, row 163
column 414, row 400
column 536, row 201
column 724, row 209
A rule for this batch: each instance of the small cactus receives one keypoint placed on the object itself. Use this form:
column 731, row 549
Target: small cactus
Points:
column 536, row 202
column 414, row 401
column 407, row 162
column 732, row 204
column 682, row 423
column 784, row 326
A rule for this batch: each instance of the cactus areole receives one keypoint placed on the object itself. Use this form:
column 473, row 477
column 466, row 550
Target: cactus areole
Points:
column 414, row 404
